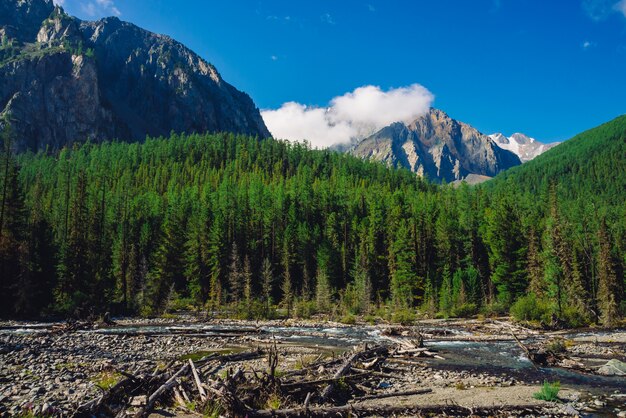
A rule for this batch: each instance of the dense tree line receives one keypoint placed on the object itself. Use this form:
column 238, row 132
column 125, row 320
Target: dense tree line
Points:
column 225, row 222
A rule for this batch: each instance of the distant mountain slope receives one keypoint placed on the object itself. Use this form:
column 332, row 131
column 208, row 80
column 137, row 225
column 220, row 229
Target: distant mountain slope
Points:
column 438, row 147
column 591, row 166
column 64, row 80
column 525, row 147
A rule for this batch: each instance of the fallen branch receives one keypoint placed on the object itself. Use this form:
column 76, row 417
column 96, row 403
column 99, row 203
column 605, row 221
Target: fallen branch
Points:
column 387, row 410
column 197, row 380
column 169, row 384
column 393, row 394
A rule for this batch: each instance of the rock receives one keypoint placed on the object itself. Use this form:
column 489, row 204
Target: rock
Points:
column 569, row 410
column 613, row 367
column 63, row 92
column 621, row 414
column 138, row 400
column 598, row 402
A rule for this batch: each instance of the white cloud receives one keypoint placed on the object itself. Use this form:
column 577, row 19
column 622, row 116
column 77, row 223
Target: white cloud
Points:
column 353, row 115
column 274, row 58
column 59, row 2
column 599, row 10
column 587, row 45
column 99, row 8
column 327, row 18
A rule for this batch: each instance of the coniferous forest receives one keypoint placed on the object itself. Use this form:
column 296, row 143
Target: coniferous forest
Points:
column 258, row 228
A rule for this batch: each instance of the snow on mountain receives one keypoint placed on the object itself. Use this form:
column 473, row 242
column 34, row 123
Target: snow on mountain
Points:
column 525, row 147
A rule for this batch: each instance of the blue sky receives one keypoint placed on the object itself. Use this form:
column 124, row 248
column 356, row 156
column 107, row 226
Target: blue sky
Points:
column 548, row 68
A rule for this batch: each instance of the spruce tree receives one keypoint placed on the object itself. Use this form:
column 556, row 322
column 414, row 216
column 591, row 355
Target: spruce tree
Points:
column 267, row 281
column 534, row 266
column 322, row 292
column 235, row 277
column 13, row 243
column 607, row 279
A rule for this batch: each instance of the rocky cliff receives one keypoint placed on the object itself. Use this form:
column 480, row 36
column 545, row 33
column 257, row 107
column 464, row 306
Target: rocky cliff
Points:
column 438, row 147
column 64, row 80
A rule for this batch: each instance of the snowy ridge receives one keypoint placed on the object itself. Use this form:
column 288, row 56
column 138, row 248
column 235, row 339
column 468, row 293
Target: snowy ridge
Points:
column 525, row 147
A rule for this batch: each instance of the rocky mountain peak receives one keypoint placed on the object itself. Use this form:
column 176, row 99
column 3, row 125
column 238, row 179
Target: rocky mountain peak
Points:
column 67, row 80
column 438, row 147
column 525, row 147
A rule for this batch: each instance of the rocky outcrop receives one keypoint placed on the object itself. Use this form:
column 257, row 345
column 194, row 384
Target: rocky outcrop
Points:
column 525, row 147
column 437, row 147
column 63, row 80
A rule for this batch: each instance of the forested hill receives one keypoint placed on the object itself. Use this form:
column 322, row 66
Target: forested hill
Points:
column 260, row 227
column 590, row 167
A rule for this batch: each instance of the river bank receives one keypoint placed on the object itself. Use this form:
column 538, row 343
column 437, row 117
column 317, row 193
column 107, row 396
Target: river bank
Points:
column 51, row 371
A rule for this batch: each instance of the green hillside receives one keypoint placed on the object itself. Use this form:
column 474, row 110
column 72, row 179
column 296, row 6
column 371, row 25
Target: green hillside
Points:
column 590, row 167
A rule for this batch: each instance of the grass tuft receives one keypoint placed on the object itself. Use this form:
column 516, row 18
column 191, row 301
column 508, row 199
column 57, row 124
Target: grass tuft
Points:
column 549, row 392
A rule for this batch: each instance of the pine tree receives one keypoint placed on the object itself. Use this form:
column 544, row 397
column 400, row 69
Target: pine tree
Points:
column 13, row 244
column 607, row 279
column 404, row 281
column 534, row 266
column 267, row 280
column 167, row 279
column 362, row 281
column 446, row 298
column 507, row 251
column 74, row 269
column 235, row 277
column 287, row 286
column 322, row 291
column 247, row 281
column 557, row 260
column 35, row 294
column 215, row 256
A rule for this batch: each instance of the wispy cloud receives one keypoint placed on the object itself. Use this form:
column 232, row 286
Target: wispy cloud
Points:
column 327, row 18
column 371, row 8
column 621, row 7
column 587, row 45
column 279, row 18
column 352, row 115
column 274, row 57
column 59, row 2
column 599, row 10
column 99, row 8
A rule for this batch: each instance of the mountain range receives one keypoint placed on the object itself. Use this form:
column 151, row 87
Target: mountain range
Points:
column 64, row 80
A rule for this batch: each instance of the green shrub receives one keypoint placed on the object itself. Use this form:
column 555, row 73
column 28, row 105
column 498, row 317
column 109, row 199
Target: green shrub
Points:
column 304, row 309
column 556, row 345
column 529, row 308
column 348, row 319
column 494, row 309
column 549, row 392
column 404, row 316
column 572, row 317
column 465, row 310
